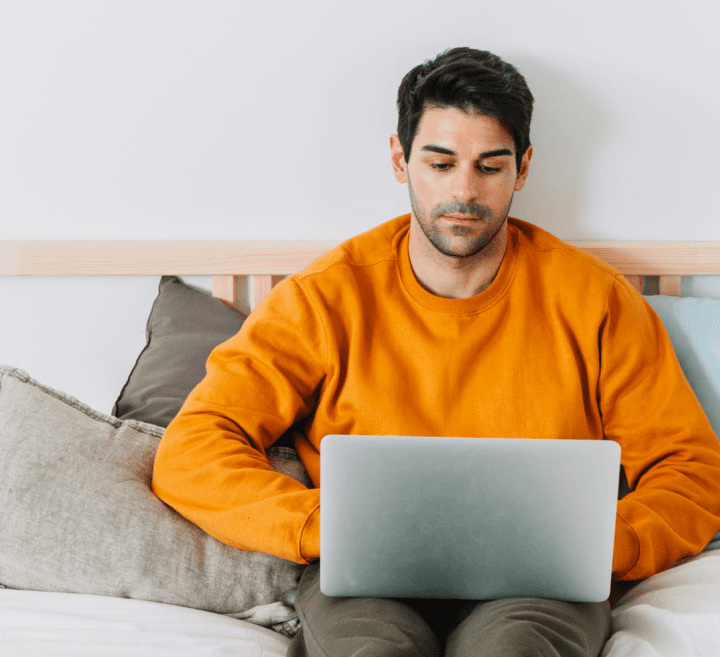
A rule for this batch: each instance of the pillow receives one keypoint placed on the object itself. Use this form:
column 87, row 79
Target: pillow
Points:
column 79, row 516
column 694, row 329
column 672, row 613
column 184, row 326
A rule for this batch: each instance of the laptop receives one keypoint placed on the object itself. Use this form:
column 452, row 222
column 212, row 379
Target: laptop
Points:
column 467, row 518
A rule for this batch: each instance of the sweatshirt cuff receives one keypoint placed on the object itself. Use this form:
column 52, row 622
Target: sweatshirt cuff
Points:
column 310, row 537
column 627, row 549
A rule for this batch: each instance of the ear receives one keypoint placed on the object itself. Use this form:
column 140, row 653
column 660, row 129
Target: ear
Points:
column 524, row 169
column 397, row 157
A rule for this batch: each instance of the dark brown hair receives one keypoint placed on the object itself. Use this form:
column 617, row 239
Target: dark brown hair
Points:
column 470, row 80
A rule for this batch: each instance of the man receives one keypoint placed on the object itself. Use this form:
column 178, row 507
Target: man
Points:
column 452, row 321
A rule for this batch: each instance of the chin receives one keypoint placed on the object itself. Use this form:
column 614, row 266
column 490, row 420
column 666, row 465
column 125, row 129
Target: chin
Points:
column 466, row 249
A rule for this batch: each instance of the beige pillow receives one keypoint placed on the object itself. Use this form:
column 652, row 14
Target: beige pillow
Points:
column 78, row 516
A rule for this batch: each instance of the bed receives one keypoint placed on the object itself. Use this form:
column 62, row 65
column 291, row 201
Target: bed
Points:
column 92, row 563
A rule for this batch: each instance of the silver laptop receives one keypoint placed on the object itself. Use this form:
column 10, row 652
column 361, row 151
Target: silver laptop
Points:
column 475, row 518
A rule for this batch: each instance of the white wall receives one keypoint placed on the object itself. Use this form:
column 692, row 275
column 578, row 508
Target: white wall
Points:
column 218, row 119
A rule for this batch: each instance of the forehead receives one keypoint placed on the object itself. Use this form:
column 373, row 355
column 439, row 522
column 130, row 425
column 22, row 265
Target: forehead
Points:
column 459, row 131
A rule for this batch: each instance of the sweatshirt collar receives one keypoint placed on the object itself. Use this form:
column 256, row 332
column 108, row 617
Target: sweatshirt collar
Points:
column 475, row 304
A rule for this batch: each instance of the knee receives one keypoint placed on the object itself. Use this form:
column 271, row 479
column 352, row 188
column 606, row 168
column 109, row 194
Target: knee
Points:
column 392, row 628
column 529, row 628
column 373, row 628
column 527, row 638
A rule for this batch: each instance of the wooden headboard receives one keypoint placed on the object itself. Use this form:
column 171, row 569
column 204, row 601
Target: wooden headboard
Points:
column 265, row 262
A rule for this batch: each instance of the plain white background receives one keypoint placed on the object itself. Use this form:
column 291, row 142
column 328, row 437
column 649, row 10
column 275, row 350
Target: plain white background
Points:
column 219, row 119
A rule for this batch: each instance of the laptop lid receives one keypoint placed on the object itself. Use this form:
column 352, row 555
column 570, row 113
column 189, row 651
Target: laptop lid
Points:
column 488, row 518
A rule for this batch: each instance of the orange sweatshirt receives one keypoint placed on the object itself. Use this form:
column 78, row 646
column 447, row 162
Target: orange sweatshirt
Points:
column 558, row 346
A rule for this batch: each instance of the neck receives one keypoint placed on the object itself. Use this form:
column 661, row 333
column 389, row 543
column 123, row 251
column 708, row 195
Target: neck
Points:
column 450, row 276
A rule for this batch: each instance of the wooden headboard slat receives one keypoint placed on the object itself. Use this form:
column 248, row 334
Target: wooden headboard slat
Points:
column 658, row 258
column 223, row 288
column 636, row 281
column 155, row 258
column 260, row 288
column 670, row 286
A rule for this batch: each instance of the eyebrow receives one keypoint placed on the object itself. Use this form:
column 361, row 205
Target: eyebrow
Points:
column 446, row 151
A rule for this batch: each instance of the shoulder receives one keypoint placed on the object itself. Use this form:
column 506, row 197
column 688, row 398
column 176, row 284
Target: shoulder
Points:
column 573, row 277
column 550, row 250
column 373, row 247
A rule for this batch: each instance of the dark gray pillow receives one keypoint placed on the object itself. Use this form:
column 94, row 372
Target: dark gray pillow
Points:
column 184, row 326
column 79, row 516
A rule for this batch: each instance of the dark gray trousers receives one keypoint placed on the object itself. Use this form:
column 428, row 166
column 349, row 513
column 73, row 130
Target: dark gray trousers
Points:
column 375, row 627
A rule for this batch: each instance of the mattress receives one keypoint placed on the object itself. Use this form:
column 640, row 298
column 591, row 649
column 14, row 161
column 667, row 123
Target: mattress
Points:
column 72, row 625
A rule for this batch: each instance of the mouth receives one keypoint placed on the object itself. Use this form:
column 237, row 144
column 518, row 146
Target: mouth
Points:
column 461, row 218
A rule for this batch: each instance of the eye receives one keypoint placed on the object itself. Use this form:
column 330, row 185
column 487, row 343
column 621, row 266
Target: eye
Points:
column 444, row 166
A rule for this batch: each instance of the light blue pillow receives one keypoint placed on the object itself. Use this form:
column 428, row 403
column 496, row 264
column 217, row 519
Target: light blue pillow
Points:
column 694, row 329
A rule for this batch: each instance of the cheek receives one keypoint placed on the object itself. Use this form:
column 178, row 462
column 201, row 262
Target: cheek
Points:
column 426, row 191
column 501, row 191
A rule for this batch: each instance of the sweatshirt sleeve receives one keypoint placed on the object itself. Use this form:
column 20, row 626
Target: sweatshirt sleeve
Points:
column 670, row 453
column 211, row 464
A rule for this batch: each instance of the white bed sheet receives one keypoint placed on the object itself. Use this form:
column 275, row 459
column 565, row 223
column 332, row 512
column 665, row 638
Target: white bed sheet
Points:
column 673, row 614
column 66, row 624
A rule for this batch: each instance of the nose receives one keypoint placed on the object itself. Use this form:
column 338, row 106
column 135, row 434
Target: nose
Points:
column 467, row 187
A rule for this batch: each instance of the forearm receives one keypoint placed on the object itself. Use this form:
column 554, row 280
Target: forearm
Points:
column 215, row 478
column 672, row 513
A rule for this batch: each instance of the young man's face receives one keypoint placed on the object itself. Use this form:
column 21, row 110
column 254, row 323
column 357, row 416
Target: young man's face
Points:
column 461, row 177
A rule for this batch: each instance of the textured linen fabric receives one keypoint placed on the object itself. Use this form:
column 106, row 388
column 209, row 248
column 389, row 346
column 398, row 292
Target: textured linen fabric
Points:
column 78, row 516
column 560, row 345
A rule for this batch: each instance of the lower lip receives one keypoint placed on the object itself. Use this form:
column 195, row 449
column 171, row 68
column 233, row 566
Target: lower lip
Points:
column 458, row 220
